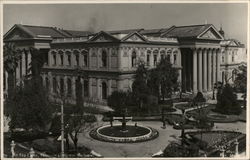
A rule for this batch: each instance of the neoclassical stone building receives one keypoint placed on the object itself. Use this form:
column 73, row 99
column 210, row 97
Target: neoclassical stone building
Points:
column 106, row 60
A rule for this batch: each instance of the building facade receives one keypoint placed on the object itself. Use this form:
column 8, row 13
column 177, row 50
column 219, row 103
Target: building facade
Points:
column 106, row 61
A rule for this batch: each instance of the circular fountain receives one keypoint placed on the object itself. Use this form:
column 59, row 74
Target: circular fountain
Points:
column 123, row 133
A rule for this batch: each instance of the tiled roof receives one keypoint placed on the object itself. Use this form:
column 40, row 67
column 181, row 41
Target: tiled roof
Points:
column 156, row 32
column 78, row 33
column 44, row 31
column 186, row 31
column 125, row 31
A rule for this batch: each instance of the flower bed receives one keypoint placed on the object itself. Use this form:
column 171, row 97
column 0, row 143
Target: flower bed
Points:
column 145, row 134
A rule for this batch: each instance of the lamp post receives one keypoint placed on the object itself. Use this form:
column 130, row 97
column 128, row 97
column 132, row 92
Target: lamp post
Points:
column 62, row 131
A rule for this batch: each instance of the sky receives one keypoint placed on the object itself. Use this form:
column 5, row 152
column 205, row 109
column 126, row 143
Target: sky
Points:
column 96, row 17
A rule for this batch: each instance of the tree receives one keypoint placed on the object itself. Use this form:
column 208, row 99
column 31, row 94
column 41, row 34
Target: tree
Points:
column 201, row 116
column 164, row 79
column 11, row 58
column 240, row 82
column 29, row 108
column 227, row 101
column 117, row 100
column 140, row 88
column 76, row 119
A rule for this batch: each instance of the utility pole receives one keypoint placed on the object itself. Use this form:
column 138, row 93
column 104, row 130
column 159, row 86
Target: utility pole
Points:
column 62, row 131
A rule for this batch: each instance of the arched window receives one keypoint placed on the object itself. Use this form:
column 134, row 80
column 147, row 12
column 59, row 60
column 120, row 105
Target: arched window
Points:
column 61, row 86
column 77, row 58
column 54, row 85
column 168, row 57
column 86, row 88
column 162, row 52
column 233, row 57
column 104, row 90
column 222, row 58
column 69, row 84
column 104, row 58
column 155, row 59
column 133, row 59
column 85, row 58
column 61, row 58
column 47, row 83
column 175, row 59
column 54, row 58
column 148, row 59
column 69, row 58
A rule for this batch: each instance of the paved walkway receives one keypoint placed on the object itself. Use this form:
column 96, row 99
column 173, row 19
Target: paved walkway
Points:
column 145, row 149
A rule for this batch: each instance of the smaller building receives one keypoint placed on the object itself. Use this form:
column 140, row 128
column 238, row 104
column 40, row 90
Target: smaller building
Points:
column 233, row 55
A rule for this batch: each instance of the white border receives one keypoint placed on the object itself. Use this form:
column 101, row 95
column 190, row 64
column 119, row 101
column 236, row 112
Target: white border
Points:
column 2, row 2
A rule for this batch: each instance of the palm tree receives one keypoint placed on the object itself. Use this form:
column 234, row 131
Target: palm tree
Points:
column 11, row 58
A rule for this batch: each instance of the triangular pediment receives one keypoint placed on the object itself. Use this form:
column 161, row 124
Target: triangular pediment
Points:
column 134, row 37
column 210, row 33
column 16, row 34
column 233, row 43
column 103, row 37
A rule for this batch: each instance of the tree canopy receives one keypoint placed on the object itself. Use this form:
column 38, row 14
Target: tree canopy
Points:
column 163, row 79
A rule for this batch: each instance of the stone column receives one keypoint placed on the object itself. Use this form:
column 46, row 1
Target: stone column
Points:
column 129, row 51
column 218, row 65
column 119, row 58
column 195, row 70
column 89, row 53
column 200, row 71
column 23, row 64
column 209, row 70
column 98, row 89
column 73, row 80
column 65, row 59
column 82, row 83
column 50, row 58
column 214, row 66
column 90, row 87
column 73, row 59
column 109, row 58
column 151, row 61
column 81, row 59
column 18, row 71
column 205, row 70
column 109, row 87
column 29, row 61
column 50, row 82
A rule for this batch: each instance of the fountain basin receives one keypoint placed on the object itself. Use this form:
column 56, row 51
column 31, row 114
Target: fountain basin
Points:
column 115, row 133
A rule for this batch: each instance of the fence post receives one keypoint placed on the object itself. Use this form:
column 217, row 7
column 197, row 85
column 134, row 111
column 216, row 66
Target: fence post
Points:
column 12, row 148
column 32, row 153
column 236, row 147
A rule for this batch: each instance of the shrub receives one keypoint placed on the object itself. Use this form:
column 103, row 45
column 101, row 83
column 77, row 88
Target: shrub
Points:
column 26, row 136
column 227, row 101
